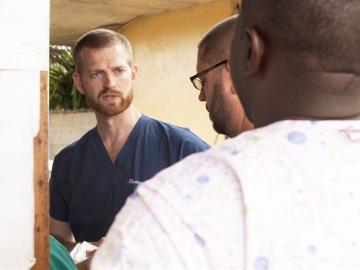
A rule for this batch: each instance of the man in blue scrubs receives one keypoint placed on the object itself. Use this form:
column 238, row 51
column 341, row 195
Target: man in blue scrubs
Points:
column 92, row 178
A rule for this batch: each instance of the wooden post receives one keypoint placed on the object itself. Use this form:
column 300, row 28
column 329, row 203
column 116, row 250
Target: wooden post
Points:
column 41, row 181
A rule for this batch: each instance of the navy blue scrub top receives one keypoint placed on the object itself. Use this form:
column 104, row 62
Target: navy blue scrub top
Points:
column 87, row 190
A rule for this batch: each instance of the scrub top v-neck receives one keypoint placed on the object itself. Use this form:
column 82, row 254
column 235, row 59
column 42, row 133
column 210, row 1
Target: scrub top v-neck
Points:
column 87, row 189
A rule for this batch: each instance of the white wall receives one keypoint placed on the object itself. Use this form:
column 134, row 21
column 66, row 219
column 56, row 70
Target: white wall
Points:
column 68, row 127
column 24, row 28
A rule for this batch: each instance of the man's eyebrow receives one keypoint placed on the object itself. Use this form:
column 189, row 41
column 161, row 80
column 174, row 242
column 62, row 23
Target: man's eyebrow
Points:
column 119, row 66
column 90, row 70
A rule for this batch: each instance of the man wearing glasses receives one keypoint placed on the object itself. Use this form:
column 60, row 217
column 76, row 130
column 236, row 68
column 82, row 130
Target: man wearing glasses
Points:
column 214, row 80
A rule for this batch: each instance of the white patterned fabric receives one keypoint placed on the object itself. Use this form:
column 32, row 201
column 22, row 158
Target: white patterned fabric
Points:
column 285, row 196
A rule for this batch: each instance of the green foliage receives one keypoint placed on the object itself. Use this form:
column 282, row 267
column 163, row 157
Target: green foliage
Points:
column 63, row 94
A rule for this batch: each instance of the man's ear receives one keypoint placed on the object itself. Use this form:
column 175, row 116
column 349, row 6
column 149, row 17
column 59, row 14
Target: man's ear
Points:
column 255, row 49
column 77, row 80
column 134, row 72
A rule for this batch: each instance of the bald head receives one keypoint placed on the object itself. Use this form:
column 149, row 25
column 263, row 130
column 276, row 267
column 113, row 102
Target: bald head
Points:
column 326, row 29
column 297, row 59
column 216, row 43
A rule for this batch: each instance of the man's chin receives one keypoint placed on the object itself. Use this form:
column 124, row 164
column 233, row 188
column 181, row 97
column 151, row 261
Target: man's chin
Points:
column 110, row 110
column 218, row 129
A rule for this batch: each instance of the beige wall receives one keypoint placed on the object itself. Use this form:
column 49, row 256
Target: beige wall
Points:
column 67, row 127
column 165, row 47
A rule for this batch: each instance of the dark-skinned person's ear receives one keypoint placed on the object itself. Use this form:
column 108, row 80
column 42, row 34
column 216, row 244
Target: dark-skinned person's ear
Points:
column 254, row 46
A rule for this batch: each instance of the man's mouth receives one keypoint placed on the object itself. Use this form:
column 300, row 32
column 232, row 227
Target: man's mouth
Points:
column 110, row 97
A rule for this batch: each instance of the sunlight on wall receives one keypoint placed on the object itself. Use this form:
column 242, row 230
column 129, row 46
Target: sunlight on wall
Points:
column 165, row 49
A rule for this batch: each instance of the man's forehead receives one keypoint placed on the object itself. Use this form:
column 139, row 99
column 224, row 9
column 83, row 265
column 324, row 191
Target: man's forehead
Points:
column 200, row 64
column 115, row 54
column 202, row 59
column 112, row 48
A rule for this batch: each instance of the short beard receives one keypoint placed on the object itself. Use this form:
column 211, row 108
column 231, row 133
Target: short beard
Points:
column 220, row 113
column 112, row 109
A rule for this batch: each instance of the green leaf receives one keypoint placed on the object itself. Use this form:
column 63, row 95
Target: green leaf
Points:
column 62, row 92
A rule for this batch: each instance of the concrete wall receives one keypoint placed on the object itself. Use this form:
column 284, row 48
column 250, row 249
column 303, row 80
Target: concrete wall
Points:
column 165, row 47
column 67, row 127
column 165, row 50
column 24, row 54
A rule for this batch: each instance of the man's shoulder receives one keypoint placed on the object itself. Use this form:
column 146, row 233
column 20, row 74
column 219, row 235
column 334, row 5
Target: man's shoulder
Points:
column 283, row 138
column 152, row 122
column 174, row 132
column 68, row 151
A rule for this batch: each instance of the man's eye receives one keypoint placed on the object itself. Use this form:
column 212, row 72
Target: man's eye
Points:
column 119, row 70
column 95, row 74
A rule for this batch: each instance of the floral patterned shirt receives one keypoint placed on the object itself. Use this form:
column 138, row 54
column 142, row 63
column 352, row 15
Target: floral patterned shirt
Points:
column 285, row 196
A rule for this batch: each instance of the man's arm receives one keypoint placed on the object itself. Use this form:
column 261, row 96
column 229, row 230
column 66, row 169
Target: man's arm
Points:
column 59, row 211
column 62, row 232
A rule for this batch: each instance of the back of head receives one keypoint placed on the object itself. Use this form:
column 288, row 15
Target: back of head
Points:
column 297, row 59
column 97, row 39
column 325, row 29
column 216, row 43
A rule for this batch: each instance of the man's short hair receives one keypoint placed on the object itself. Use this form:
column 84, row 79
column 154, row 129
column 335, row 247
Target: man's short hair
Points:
column 216, row 43
column 326, row 29
column 97, row 39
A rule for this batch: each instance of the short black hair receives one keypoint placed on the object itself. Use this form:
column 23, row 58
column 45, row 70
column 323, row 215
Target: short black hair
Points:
column 326, row 29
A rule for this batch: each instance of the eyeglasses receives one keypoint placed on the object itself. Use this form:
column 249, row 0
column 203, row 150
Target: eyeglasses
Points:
column 197, row 82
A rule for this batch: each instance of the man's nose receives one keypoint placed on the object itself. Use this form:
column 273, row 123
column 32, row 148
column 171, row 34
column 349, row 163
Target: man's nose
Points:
column 202, row 96
column 109, row 80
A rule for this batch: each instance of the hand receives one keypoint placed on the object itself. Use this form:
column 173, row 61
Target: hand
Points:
column 83, row 251
column 90, row 253
column 98, row 243
column 85, row 265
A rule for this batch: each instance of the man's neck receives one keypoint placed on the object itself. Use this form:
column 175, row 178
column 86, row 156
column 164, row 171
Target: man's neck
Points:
column 305, row 92
column 115, row 130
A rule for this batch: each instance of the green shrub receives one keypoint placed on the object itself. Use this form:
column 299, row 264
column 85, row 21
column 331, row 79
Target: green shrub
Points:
column 63, row 94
